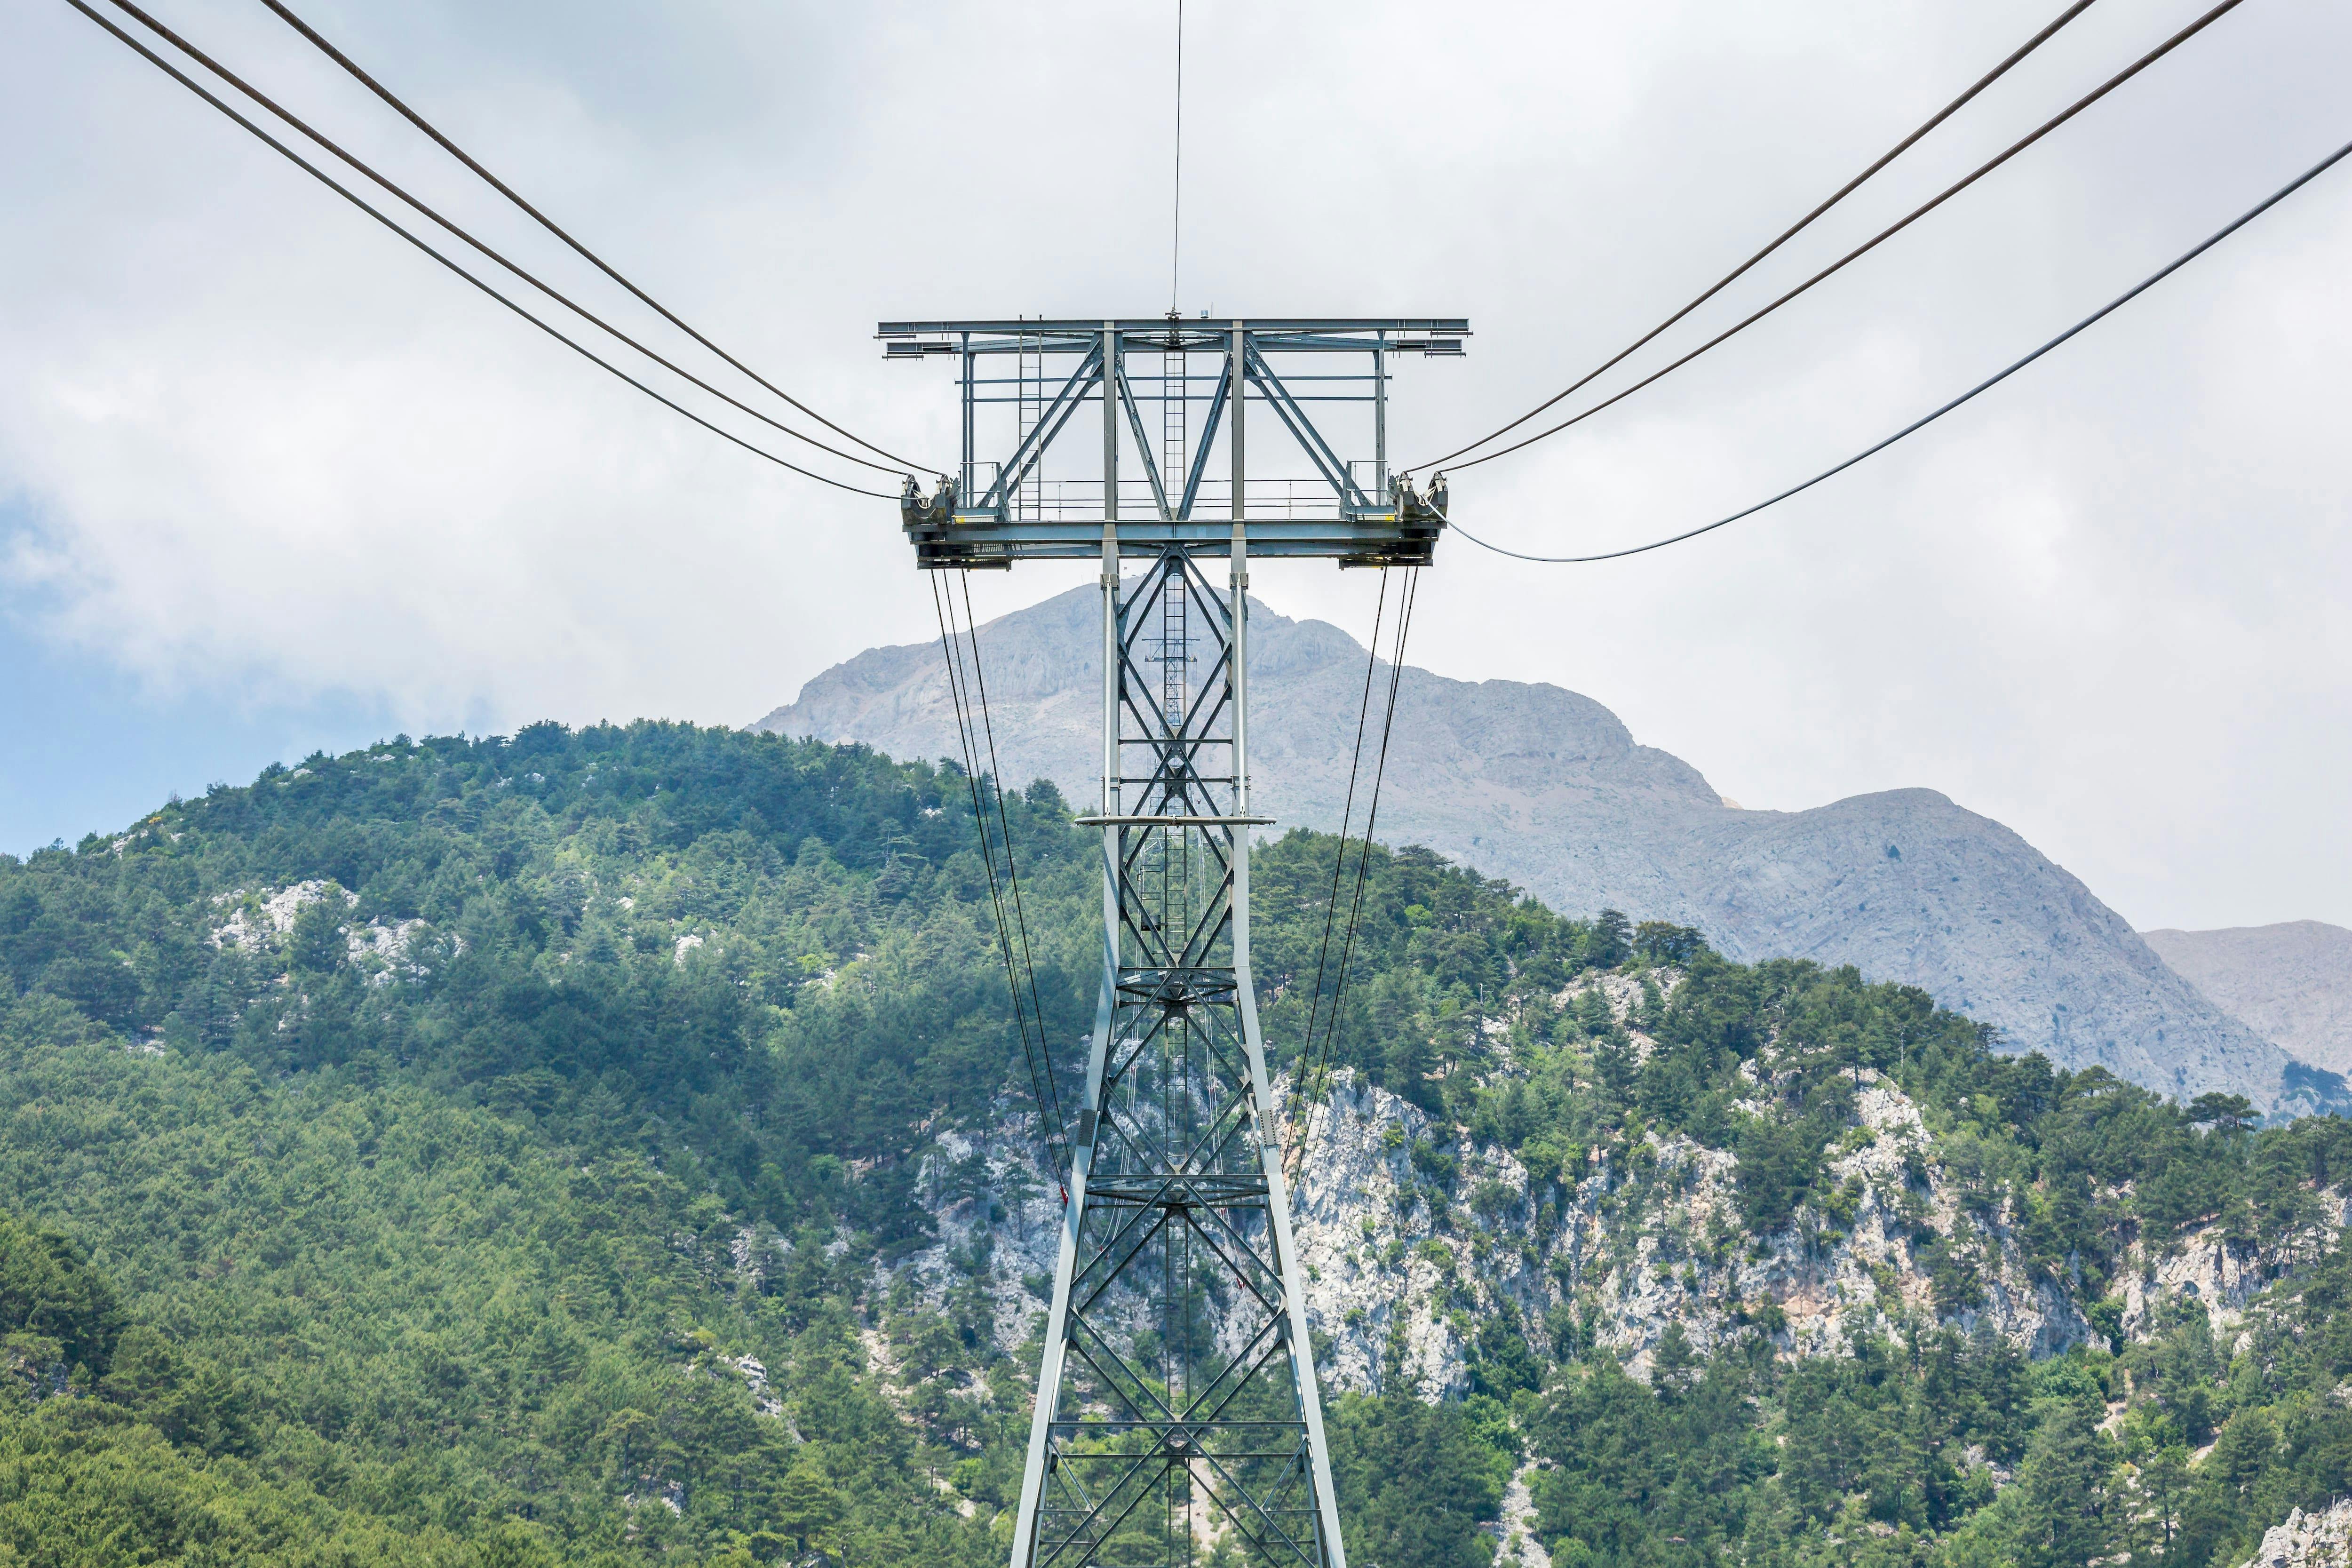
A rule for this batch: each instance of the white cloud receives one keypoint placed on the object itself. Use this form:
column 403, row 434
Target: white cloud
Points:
column 266, row 447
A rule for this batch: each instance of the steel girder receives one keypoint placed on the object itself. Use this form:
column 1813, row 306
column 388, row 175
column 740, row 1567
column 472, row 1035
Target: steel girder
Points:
column 984, row 519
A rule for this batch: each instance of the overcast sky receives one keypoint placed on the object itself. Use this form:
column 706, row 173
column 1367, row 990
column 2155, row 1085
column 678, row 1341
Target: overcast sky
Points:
column 268, row 481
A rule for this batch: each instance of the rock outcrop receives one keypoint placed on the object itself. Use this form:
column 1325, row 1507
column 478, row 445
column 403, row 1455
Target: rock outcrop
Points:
column 2322, row 1540
column 1633, row 1250
column 1402, row 1267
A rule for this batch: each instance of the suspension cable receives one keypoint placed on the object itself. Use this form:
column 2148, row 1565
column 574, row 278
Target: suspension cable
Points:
column 2014, row 148
column 359, row 202
column 1176, row 218
column 1012, row 869
column 257, row 96
column 1050, row 1127
column 1406, row 600
column 2135, row 292
column 446, row 145
column 1339, row 852
column 1790, row 233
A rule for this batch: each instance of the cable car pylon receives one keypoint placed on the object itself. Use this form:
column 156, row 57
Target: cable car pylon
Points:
column 1177, row 1403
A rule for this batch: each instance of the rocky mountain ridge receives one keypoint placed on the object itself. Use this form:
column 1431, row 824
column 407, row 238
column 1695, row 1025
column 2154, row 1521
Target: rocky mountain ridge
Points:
column 2291, row 982
column 1550, row 789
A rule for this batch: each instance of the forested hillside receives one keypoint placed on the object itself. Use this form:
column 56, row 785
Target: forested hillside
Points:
column 478, row 1152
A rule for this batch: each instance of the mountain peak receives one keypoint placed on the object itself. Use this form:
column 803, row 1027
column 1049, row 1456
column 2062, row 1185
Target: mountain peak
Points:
column 1549, row 788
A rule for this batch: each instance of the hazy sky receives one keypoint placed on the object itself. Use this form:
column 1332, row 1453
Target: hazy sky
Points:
column 268, row 481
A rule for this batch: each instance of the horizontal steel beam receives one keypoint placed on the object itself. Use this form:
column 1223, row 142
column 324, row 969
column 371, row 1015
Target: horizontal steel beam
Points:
column 1132, row 821
column 990, row 543
column 1147, row 325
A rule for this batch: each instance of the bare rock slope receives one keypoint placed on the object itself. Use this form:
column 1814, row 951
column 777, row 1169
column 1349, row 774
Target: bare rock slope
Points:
column 1401, row 1272
column 2319, row 1540
column 1550, row 789
column 2291, row 983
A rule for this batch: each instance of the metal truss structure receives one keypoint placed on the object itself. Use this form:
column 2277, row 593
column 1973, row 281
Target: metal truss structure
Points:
column 995, row 512
column 1177, row 1403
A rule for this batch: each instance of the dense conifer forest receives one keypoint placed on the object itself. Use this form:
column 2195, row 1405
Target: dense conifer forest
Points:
column 503, row 1152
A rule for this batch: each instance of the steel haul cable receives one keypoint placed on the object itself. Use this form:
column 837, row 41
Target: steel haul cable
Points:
column 2014, row 148
column 362, row 203
column 1300, row 1088
column 549, row 224
column 1176, row 219
column 1052, row 1133
column 1989, row 382
column 1012, row 869
column 1786, row 235
column 1364, row 854
column 257, row 96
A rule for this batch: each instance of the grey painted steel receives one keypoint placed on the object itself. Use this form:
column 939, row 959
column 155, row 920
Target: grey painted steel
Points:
column 1177, row 1399
column 1161, row 819
column 1207, row 337
column 991, row 516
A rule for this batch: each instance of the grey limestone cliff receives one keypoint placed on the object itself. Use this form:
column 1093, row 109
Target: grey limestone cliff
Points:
column 1400, row 1270
column 2321, row 1539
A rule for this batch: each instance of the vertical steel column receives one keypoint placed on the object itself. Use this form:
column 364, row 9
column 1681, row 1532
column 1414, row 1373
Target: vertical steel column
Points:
column 1237, row 391
column 964, row 473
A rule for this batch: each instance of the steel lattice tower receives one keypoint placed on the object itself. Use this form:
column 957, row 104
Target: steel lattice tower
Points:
column 1177, row 1402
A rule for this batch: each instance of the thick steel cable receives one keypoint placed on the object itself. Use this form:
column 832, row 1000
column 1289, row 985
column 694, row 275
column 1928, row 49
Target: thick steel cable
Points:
column 1364, row 856
column 549, row 224
column 359, row 202
column 2045, row 129
column 1049, row 1128
column 1786, row 235
column 1989, row 382
column 1364, row 851
column 1012, row 869
column 1339, row 854
column 297, row 123
column 1371, row 817
column 1176, row 220
column 1052, row 1130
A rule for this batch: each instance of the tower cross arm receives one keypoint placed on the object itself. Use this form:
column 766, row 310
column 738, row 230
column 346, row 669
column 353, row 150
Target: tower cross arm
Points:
column 1321, row 489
